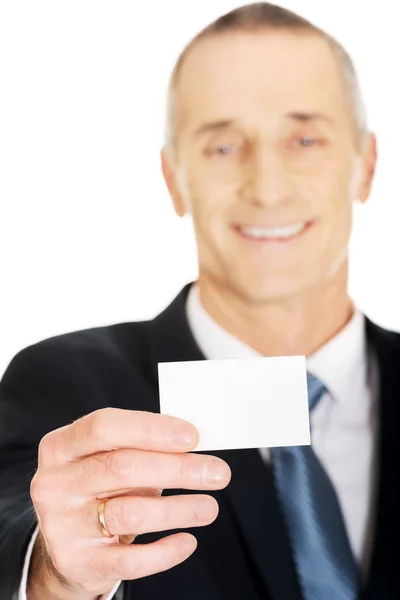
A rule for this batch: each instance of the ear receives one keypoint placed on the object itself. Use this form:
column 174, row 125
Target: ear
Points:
column 171, row 182
column 369, row 158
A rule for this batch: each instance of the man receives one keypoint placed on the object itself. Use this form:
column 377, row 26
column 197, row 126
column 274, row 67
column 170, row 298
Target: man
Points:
column 267, row 148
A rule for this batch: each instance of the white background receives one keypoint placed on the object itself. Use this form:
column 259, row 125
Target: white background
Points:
column 87, row 233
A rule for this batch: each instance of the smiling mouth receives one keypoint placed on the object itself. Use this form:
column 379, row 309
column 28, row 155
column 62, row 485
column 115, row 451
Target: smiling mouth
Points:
column 280, row 234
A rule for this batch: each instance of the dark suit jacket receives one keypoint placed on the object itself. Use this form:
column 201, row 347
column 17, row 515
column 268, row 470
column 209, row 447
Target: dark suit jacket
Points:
column 245, row 554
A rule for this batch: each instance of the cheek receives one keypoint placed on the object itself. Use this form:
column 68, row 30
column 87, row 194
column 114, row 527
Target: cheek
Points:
column 209, row 199
column 329, row 188
column 338, row 219
column 342, row 196
column 329, row 194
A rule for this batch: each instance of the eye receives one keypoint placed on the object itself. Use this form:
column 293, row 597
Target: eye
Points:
column 228, row 152
column 307, row 141
column 224, row 149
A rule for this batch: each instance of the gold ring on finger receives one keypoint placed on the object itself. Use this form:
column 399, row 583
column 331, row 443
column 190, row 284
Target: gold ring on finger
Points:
column 100, row 511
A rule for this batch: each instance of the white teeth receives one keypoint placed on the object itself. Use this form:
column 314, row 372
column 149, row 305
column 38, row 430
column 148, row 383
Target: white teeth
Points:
column 273, row 232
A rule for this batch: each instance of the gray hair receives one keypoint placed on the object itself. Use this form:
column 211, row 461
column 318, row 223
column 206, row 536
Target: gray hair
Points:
column 259, row 16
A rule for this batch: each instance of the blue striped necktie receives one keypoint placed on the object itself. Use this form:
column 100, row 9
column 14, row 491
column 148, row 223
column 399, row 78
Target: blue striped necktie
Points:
column 320, row 546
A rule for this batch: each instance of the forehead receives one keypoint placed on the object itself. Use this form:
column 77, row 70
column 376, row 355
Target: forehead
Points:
column 260, row 74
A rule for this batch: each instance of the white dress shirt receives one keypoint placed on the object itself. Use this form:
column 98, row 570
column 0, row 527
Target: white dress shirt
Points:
column 343, row 424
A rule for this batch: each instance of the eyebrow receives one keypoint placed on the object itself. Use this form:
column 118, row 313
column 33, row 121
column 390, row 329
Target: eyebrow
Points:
column 304, row 117
column 214, row 126
column 301, row 117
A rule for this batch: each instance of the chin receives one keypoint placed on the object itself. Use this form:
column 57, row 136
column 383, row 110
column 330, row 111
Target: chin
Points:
column 271, row 292
column 264, row 287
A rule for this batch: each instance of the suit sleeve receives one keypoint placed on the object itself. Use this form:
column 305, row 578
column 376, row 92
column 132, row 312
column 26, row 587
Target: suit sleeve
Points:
column 37, row 395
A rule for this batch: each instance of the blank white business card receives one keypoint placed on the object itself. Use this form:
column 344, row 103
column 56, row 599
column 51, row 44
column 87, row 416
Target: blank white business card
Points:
column 239, row 403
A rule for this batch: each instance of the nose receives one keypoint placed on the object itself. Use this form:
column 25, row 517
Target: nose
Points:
column 267, row 181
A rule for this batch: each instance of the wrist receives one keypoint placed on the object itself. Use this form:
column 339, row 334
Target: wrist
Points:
column 45, row 583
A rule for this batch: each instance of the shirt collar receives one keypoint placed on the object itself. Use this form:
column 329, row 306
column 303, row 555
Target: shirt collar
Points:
column 337, row 364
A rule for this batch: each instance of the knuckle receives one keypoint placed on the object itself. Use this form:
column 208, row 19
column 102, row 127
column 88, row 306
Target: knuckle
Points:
column 46, row 446
column 164, row 515
column 120, row 465
column 39, row 489
column 36, row 489
column 96, row 426
column 128, row 516
column 116, row 567
column 91, row 467
column 185, row 467
column 43, row 487
column 135, row 515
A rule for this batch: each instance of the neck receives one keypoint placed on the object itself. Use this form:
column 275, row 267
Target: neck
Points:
column 294, row 326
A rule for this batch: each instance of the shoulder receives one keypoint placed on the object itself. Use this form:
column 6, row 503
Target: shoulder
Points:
column 110, row 342
column 68, row 375
column 383, row 339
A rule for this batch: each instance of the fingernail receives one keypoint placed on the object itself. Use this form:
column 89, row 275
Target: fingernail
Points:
column 215, row 472
column 182, row 436
column 206, row 510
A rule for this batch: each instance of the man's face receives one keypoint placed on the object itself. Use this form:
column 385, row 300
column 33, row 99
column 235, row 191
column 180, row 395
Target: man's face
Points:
column 267, row 161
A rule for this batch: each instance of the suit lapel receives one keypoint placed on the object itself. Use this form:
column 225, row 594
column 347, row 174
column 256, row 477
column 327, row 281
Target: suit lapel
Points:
column 256, row 514
column 250, row 496
column 385, row 560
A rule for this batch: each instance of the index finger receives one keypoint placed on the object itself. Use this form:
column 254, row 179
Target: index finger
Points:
column 113, row 428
